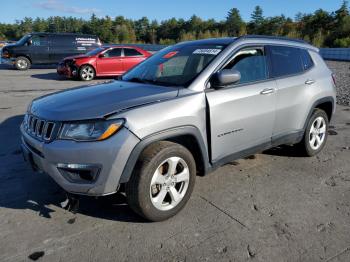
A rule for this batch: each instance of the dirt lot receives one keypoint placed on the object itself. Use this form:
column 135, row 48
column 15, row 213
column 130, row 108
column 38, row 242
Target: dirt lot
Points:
column 274, row 207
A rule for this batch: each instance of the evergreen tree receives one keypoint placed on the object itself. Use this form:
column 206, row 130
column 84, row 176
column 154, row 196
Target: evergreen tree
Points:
column 322, row 28
column 257, row 21
column 234, row 23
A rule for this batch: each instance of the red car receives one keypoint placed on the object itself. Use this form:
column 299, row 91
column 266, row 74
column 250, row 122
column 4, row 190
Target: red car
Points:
column 103, row 61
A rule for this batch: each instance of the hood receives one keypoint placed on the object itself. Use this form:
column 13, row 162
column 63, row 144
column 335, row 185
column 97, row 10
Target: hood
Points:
column 76, row 57
column 10, row 46
column 97, row 101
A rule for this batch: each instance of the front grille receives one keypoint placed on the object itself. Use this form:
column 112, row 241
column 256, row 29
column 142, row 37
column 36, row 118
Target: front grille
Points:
column 39, row 128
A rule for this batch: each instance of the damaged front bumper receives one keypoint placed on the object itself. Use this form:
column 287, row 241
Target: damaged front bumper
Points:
column 69, row 71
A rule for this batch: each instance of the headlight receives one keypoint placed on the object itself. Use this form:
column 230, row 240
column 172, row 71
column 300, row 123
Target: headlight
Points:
column 5, row 54
column 90, row 131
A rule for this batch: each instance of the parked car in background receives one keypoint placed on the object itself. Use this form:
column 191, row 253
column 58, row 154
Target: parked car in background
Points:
column 103, row 61
column 185, row 111
column 47, row 48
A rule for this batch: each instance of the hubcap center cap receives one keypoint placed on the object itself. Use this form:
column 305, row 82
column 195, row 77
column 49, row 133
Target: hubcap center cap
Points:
column 170, row 181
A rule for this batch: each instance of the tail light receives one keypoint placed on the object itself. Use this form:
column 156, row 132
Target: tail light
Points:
column 334, row 80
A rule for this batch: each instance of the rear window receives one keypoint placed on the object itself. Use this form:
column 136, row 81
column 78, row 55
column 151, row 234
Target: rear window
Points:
column 131, row 52
column 306, row 60
column 285, row 61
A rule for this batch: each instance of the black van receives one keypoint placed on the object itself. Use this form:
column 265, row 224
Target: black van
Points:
column 47, row 48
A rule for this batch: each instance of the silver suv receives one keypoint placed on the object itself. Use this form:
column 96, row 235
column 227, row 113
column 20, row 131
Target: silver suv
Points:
column 185, row 111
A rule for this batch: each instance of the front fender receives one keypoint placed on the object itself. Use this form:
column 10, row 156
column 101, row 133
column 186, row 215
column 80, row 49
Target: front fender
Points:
column 164, row 135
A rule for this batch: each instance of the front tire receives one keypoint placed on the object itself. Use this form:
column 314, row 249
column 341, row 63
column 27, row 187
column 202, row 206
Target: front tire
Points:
column 87, row 73
column 162, row 181
column 316, row 134
column 22, row 63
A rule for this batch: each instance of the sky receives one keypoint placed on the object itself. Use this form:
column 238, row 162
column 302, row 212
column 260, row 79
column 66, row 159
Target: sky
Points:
column 156, row 9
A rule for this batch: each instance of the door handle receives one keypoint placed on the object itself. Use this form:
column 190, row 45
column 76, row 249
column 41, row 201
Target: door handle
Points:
column 309, row 82
column 267, row 91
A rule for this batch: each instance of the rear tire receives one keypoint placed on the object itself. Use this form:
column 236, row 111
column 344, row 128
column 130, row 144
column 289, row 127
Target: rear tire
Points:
column 315, row 135
column 87, row 73
column 22, row 63
column 162, row 181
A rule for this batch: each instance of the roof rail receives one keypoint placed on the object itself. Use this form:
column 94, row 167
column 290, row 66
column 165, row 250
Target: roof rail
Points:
column 273, row 38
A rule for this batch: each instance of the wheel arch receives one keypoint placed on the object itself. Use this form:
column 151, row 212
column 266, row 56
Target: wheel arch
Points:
column 26, row 56
column 326, row 103
column 87, row 64
column 187, row 136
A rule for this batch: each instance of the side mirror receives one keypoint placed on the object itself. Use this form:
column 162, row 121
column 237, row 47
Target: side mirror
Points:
column 29, row 42
column 101, row 55
column 226, row 77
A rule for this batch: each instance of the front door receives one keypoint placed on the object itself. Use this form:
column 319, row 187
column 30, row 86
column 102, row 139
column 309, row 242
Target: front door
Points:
column 110, row 63
column 39, row 49
column 242, row 115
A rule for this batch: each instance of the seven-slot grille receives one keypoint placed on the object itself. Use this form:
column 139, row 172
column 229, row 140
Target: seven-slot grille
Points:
column 39, row 128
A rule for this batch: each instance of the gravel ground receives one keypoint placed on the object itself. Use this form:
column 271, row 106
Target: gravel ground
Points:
column 274, row 206
column 342, row 74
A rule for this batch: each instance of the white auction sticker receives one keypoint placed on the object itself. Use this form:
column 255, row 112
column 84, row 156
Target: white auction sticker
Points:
column 207, row 51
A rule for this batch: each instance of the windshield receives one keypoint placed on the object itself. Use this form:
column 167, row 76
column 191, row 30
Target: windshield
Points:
column 95, row 51
column 23, row 40
column 174, row 66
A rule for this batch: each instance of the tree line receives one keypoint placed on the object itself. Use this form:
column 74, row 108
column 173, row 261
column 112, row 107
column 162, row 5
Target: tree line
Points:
column 321, row 28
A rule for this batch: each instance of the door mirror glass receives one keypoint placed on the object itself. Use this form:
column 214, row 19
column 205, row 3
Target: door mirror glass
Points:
column 226, row 77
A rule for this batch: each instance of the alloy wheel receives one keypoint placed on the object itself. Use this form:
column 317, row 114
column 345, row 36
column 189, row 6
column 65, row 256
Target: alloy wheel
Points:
column 317, row 133
column 87, row 73
column 22, row 64
column 169, row 183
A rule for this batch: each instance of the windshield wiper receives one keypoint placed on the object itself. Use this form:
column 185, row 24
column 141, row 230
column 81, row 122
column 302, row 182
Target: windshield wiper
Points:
column 137, row 80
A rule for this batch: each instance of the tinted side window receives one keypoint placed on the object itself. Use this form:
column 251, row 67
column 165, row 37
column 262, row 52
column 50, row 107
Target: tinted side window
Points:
column 251, row 63
column 306, row 60
column 285, row 61
column 113, row 52
column 131, row 52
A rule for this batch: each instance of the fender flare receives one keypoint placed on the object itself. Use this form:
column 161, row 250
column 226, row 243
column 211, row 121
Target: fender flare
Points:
column 315, row 104
column 163, row 135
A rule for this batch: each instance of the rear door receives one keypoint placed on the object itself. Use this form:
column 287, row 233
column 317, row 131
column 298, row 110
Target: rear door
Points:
column 242, row 115
column 39, row 49
column 291, row 67
column 111, row 62
column 131, row 58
